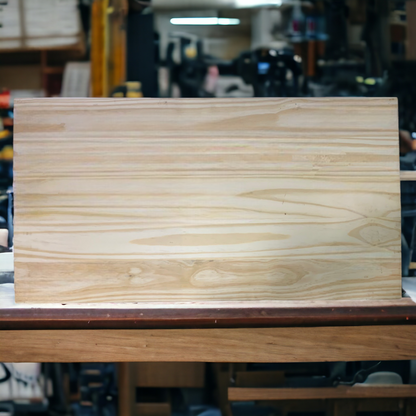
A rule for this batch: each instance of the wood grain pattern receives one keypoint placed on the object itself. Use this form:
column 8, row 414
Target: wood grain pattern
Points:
column 214, row 200
column 359, row 343
column 408, row 175
column 341, row 392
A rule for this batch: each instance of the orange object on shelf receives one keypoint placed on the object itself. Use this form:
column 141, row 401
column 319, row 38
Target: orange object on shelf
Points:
column 5, row 99
column 7, row 122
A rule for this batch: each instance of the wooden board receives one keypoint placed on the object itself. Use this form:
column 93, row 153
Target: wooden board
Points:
column 408, row 175
column 341, row 392
column 206, row 200
column 255, row 345
column 203, row 314
column 168, row 375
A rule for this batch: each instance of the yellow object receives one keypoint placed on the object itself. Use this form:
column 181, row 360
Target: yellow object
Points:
column 134, row 89
column 370, row 81
column 190, row 52
column 4, row 133
column 6, row 153
column 133, row 85
column 134, row 94
column 108, row 45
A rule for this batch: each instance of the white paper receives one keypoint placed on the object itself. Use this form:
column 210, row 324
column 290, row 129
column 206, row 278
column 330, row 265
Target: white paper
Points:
column 409, row 286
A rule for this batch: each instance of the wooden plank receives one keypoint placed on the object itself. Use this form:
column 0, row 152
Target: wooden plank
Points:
column 202, row 315
column 153, row 409
column 181, row 375
column 379, row 405
column 342, row 392
column 216, row 200
column 113, row 318
column 360, row 343
column 126, row 390
column 408, row 175
column 320, row 405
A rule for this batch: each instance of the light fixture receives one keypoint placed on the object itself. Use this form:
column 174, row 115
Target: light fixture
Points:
column 223, row 21
column 258, row 3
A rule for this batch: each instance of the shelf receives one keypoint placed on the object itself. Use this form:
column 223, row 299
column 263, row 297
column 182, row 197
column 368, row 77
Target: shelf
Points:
column 79, row 47
column 323, row 393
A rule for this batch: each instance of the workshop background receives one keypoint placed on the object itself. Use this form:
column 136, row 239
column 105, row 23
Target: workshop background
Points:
column 204, row 48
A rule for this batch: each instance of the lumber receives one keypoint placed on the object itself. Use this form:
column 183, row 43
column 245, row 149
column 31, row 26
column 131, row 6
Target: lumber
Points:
column 407, row 175
column 168, row 375
column 155, row 200
column 314, row 344
column 322, row 393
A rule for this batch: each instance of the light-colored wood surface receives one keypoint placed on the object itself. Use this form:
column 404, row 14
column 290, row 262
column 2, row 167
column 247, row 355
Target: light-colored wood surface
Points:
column 206, row 200
column 341, row 392
column 408, row 175
column 7, row 301
column 307, row 344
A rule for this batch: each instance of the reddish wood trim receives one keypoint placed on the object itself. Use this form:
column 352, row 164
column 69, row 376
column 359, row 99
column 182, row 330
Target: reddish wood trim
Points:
column 206, row 318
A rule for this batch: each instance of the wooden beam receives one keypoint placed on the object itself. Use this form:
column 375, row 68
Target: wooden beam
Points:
column 322, row 393
column 314, row 344
column 404, row 313
column 320, row 405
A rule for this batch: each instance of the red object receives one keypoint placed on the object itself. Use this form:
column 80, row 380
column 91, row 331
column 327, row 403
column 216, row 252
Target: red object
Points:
column 296, row 26
column 5, row 99
column 7, row 122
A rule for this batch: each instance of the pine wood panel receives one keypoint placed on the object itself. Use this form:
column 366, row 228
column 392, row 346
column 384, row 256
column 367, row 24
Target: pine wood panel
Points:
column 206, row 200
column 319, row 344
column 341, row 392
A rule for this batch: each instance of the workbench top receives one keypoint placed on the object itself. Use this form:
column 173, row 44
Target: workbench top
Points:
column 273, row 332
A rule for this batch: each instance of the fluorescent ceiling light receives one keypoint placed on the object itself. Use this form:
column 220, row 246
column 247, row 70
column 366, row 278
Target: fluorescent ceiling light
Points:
column 223, row 21
column 257, row 3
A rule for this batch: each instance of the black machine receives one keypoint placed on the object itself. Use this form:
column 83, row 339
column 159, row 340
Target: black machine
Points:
column 189, row 74
column 271, row 72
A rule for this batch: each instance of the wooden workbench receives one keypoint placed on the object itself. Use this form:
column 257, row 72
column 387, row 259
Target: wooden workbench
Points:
column 272, row 332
